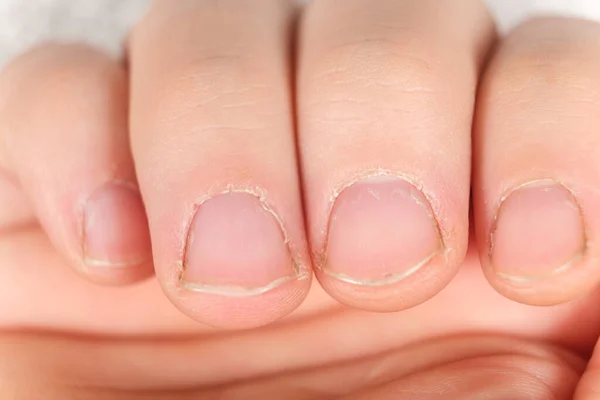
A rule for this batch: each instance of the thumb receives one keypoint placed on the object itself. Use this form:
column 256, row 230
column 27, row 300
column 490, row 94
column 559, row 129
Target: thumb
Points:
column 589, row 385
column 488, row 367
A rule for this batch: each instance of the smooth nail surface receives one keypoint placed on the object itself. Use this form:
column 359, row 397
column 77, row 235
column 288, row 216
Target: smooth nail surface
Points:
column 115, row 228
column 539, row 231
column 236, row 246
column 382, row 229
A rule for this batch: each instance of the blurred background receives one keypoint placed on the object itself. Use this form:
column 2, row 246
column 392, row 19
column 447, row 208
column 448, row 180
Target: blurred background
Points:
column 105, row 22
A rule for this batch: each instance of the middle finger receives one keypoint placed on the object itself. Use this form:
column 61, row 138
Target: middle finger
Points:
column 386, row 93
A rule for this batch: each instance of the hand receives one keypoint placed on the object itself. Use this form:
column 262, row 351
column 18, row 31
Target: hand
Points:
column 230, row 171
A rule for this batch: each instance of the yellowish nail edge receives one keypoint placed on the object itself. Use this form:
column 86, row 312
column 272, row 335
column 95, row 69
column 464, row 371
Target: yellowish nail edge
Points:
column 301, row 272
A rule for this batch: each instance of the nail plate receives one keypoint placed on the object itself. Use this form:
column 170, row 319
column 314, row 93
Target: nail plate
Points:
column 382, row 230
column 538, row 232
column 237, row 247
column 115, row 228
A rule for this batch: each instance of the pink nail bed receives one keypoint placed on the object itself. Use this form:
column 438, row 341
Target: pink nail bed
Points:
column 538, row 231
column 236, row 246
column 115, row 228
column 382, row 229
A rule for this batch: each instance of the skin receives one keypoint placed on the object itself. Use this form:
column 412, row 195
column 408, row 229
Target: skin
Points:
column 129, row 267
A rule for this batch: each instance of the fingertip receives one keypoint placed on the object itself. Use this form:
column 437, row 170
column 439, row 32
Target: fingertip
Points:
column 539, row 248
column 238, row 269
column 536, row 181
column 242, row 311
column 385, row 249
column 115, row 241
column 68, row 147
column 538, row 232
column 389, row 245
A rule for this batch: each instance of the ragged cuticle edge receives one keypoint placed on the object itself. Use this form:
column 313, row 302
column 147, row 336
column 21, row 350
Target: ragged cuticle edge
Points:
column 383, row 173
column 320, row 258
column 533, row 183
column 301, row 272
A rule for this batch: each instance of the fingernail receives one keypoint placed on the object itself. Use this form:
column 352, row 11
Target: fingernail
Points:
column 538, row 232
column 115, row 228
column 382, row 230
column 236, row 247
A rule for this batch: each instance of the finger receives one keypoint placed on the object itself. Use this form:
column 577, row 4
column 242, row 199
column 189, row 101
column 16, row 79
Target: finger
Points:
column 588, row 387
column 15, row 208
column 64, row 140
column 214, row 149
column 386, row 95
column 536, row 197
column 471, row 367
column 486, row 367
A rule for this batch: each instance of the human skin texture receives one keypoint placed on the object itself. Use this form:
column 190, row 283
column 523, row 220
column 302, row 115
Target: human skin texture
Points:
column 360, row 200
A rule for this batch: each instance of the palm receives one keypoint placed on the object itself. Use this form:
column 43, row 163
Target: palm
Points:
column 40, row 295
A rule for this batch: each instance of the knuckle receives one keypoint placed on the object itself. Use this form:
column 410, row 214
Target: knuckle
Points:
column 231, row 84
column 202, row 82
column 57, row 79
column 358, row 81
column 379, row 62
column 209, row 89
column 216, row 98
column 546, row 71
column 69, row 71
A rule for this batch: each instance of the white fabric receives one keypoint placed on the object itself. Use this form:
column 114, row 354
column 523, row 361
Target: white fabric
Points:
column 510, row 12
column 105, row 22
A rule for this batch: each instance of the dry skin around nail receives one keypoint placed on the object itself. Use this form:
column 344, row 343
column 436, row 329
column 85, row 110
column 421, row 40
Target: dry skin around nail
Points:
column 392, row 278
column 300, row 271
column 580, row 255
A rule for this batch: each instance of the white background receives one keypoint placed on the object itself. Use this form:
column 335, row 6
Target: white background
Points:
column 104, row 22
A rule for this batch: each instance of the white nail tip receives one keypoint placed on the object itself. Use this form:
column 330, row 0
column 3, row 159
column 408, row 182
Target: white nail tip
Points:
column 389, row 280
column 237, row 291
